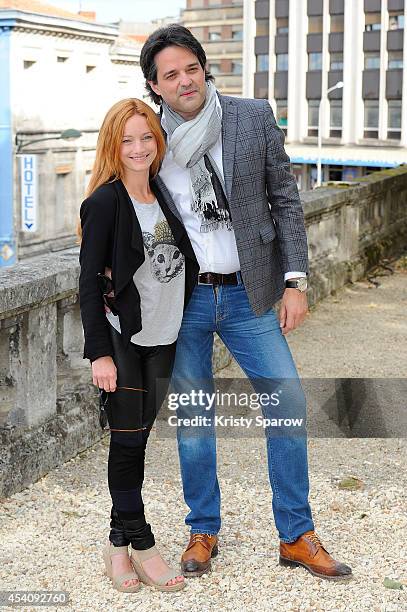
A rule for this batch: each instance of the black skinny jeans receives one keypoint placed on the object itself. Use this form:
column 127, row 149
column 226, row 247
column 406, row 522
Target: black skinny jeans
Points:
column 132, row 409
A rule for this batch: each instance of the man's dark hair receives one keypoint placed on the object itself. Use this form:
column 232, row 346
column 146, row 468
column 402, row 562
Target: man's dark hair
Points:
column 172, row 35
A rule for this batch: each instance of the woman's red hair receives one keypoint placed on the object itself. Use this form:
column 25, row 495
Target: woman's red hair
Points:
column 107, row 166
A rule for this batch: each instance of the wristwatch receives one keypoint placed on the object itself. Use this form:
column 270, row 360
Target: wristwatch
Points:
column 297, row 283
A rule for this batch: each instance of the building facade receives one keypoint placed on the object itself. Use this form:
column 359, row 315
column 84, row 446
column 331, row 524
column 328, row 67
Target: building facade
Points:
column 60, row 71
column 297, row 50
column 218, row 25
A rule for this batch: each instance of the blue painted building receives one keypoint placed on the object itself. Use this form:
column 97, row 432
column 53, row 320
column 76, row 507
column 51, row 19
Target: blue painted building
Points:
column 7, row 229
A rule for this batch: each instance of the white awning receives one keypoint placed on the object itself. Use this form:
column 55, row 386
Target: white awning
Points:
column 386, row 157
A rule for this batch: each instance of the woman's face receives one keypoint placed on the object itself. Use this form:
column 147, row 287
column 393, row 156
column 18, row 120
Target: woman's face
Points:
column 139, row 146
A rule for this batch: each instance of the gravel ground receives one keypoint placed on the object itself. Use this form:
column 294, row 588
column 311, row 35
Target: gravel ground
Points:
column 52, row 532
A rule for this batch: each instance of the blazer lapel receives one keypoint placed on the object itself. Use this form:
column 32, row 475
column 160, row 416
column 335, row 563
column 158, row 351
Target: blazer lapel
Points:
column 174, row 221
column 127, row 205
column 229, row 129
column 128, row 253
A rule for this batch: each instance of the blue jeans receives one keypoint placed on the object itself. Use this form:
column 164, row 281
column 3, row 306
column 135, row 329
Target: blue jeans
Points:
column 261, row 350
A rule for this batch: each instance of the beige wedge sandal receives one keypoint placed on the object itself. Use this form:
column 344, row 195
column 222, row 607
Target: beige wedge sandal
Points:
column 139, row 556
column 118, row 581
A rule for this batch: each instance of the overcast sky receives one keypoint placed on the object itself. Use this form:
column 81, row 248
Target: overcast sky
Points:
column 129, row 10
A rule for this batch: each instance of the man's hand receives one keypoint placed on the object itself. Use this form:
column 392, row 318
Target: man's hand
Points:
column 294, row 307
column 104, row 373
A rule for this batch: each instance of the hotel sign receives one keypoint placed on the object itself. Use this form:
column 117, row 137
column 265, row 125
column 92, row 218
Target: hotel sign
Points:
column 29, row 192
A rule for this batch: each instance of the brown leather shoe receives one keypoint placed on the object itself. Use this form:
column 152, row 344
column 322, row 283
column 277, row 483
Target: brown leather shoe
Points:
column 308, row 551
column 196, row 559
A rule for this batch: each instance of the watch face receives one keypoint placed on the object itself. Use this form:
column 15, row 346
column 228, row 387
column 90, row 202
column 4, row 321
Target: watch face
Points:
column 302, row 284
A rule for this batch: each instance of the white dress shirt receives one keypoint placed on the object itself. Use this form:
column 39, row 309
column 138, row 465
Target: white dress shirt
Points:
column 215, row 251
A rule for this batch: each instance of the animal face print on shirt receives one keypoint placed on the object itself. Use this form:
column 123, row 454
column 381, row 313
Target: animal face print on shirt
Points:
column 166, row 260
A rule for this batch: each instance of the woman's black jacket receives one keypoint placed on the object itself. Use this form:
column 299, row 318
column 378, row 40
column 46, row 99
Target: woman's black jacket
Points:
column 111, row 237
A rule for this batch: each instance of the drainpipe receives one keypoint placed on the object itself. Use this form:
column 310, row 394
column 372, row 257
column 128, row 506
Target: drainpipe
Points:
column 8, row 246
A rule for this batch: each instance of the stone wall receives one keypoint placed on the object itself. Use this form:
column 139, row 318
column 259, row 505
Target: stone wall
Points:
column 48, row 406
column 350, row 229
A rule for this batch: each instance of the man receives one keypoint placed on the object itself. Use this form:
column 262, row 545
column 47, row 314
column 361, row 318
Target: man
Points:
column 229, row 178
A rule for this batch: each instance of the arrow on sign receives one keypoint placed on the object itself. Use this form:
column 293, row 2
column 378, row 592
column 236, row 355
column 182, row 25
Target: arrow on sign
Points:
column 28, row 225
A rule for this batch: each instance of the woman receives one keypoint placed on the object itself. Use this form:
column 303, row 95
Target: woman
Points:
column 127, row 228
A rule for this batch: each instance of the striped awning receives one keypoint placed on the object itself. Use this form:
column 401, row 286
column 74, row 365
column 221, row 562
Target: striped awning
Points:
column 385, row 157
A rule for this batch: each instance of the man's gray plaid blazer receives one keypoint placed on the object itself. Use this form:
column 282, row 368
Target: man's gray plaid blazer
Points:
column 263, row 197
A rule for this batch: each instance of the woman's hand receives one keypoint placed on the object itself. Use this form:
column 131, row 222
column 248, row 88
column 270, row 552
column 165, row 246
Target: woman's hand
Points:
column 108, row 272
column 104, row 373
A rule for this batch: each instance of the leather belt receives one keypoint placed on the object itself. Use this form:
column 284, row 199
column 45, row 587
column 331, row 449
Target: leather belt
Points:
column 214, row 278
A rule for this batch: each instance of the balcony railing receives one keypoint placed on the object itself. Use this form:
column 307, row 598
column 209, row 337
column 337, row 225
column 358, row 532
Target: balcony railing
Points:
column 224, row 13
column 217, row 48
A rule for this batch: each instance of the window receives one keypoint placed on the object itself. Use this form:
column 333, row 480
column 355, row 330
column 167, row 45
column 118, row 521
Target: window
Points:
column 394, row 119
column 281, row 117
column 282, row 25
column 28, row 64
column 372, row 22
column 371, row 119
column 336, row 23
column 395, row 59
column 63, row 182
column 314, row 61
column 261, row 86
column 214, row 36
column 237, row 67
column 335, row 118
column 336, row 61
column 315, row 25
column 282, row 61
column 372, row 60
column 237, row 34
column 61, row 59
column 90, row 68
column 262, row 63
column 313, row 108
column 396, row 22
column 350, row 173
column 297, row 171
column 335, row 173
column 262, row 27
column 214, row 68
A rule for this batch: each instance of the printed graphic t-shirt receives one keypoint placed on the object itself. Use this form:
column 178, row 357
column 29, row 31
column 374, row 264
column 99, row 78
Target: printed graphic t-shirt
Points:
column 160, row 280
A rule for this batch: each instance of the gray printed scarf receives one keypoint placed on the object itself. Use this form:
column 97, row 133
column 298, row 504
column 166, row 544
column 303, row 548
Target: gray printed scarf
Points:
column 189, row 141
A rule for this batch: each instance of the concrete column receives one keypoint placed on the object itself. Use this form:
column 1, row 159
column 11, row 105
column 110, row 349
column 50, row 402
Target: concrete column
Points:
column 297, row 68
column 383, row 68
column 72, row 369
column 325, row 68
column 353, row 64
column 272, row 56
column 9, row 410
column 33, row 364
column 249, row 58
column 404, row 92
